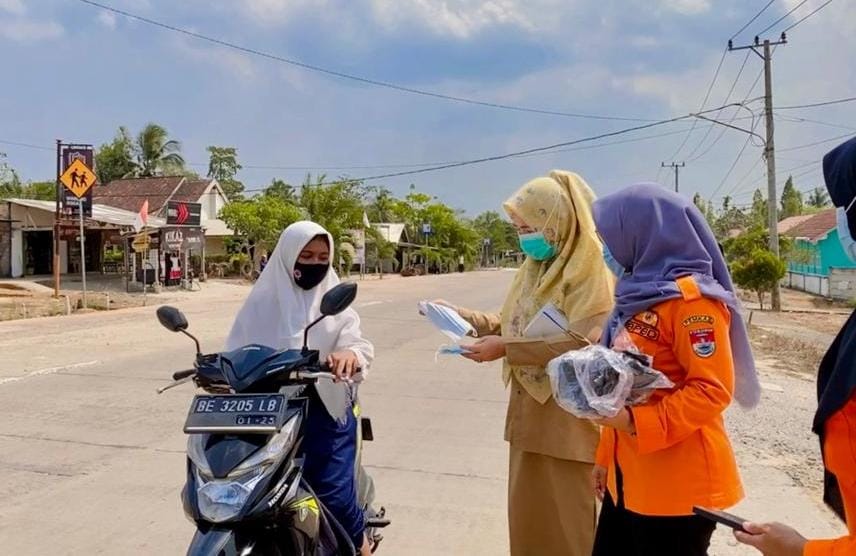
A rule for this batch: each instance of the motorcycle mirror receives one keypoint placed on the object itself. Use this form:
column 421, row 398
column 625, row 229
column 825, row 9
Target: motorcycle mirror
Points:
column 334, row 302
column 172, row 319
column 338, row 299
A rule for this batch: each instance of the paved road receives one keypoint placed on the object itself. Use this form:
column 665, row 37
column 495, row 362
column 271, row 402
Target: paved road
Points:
column 93, row 461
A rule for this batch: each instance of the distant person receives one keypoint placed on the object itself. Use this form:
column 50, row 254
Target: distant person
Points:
column 674, row 302
column 262, row 263
column 551, row 508
column 835, row 420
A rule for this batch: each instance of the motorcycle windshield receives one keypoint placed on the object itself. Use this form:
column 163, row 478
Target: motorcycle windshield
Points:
column 225, row 453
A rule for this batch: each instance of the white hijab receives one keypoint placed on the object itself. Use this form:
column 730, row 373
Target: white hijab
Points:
column 278, row 310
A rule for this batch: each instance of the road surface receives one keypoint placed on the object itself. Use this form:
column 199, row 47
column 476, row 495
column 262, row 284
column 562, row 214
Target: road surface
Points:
column 93, row 460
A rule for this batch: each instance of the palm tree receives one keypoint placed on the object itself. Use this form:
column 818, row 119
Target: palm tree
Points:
column 157, row 154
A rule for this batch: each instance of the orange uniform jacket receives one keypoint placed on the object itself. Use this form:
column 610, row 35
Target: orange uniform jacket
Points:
column 680, row 455
column 839, row 452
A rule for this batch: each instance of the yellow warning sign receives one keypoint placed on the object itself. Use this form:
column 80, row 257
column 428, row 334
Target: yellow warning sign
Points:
column 77, row 178
column 140, row 243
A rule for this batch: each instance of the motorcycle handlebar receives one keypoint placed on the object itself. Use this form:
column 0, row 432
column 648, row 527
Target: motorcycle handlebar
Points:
column 178, row 375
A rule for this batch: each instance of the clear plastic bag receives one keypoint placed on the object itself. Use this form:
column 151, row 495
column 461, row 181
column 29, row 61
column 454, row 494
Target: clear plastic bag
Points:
column 597, row 381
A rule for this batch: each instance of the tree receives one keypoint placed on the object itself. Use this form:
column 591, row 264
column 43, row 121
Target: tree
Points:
column 282, row 190
column 157, row 154
column 760, row 210
column 730, row 218
column 260, row 220
column 792, row 201
column 706, row 209
column 818, row 198
column 759, row 272
column 11, row 186
column 115, row 160
column 501, row 233
column 337, row 206
column 381, row 205
column 223, row 166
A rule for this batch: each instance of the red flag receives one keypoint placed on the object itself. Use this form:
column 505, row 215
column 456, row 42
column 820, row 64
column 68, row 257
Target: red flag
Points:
column 142, row 217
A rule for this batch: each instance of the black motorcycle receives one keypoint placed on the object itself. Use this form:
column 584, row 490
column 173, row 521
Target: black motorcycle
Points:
column 245, row 489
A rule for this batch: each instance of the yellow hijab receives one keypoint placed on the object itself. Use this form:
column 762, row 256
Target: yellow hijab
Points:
column 576, row 281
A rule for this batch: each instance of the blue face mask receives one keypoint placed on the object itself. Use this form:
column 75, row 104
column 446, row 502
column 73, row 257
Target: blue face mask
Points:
column 614, row 266
column 536, row 246
column 844, row 235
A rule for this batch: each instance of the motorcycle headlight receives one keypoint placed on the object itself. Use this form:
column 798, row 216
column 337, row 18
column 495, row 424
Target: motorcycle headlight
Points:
column 223, row 499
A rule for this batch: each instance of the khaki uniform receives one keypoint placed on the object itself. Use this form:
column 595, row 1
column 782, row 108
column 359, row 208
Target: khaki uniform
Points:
column 551, row 504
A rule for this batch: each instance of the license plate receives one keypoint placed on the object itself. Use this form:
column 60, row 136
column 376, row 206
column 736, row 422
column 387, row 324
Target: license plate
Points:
column 235, row 413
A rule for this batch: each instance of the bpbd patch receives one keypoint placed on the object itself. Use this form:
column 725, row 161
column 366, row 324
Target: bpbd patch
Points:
column 703, row 342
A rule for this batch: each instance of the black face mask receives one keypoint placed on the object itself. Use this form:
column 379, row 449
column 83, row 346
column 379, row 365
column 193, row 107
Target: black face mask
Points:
column 307, row 276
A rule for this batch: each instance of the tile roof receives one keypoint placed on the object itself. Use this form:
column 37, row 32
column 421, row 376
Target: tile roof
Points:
column 129, row 194
column 816, row 227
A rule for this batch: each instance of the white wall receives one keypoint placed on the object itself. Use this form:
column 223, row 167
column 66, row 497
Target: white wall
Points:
column 810, row 283
column 17, row 253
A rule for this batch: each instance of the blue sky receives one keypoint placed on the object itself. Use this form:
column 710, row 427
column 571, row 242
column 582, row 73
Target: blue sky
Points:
column 75, row 72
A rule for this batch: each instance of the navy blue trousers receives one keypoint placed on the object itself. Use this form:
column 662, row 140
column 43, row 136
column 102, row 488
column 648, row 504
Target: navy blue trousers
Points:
column 330, row 450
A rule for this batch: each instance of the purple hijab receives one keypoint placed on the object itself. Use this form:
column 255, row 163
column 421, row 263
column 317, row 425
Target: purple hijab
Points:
column 659, row 236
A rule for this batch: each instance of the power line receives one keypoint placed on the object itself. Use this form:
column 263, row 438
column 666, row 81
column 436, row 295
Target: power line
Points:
column 703, row 104
column 413, row 165
column 807, row 145
column 828, row 2
column 796, row 120
column 727, row 98
column 27, row 145
column 816, row 104
column 757, row 15
column 733, row 165
column 352, row 77
column 520, row 153
column 733, row 119
column 795, row 8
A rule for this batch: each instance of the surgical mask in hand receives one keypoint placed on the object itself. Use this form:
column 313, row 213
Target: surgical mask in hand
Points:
column 453, row 349
column 447, row 320
column 844, row 235
column 536, row 246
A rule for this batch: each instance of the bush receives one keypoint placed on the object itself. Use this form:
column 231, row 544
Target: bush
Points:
column 759, row 272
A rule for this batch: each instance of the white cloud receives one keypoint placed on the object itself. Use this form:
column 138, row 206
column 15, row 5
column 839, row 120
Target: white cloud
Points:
column 25, row 30
column 233, row 64
column 12, row 6
column 687, row 7
column 271, row 12
column 107, row 19
column 457, row 18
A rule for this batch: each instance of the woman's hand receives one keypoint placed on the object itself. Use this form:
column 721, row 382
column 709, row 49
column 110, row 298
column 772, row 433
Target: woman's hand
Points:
column 343, row 363
column 622, row 422
column 772, row 539
column 489, row 348
column 598, row 481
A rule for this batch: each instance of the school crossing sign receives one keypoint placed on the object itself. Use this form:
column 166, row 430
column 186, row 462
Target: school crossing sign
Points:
column 78, row 178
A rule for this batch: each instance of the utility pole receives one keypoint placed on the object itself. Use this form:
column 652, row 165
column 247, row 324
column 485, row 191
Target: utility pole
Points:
column 769, row 148
column 676, row 166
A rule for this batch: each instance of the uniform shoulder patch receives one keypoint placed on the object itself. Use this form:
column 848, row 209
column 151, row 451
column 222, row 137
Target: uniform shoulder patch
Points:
column 703, row 342
column 698, row 319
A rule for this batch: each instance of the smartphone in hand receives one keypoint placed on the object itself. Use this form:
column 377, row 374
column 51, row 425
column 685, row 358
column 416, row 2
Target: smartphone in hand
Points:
column 718, row 516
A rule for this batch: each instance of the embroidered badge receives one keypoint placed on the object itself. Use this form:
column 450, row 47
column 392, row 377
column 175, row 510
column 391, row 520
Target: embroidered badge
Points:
column 649, row 317
column 703, row 342
column 640, row 328
column 698, row 319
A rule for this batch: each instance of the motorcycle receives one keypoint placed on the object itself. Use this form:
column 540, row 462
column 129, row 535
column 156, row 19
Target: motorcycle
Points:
column 245, row 489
